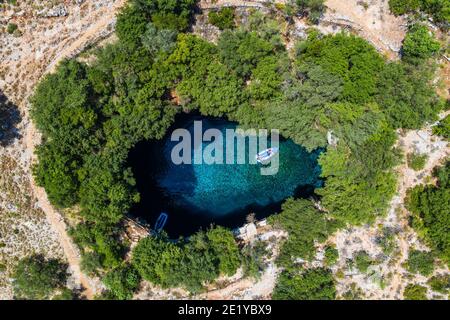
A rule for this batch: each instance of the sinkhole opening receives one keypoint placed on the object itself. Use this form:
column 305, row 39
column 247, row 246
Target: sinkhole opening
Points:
column 196, row 196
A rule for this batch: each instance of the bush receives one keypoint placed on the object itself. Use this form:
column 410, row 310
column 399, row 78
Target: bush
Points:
column 253, row 259
column 430, row 208
column 122, row 282
column 440, row 283
column 419, row 43
column 331, row 256
column 417, row 161
column 37, row 278
column 443, row 128
column 11, row 28
column 222, row 19
column 415, row 292
column 313, row 284
column 438, row 9
column 363, row 261
column 200, row 260
column 420, row 262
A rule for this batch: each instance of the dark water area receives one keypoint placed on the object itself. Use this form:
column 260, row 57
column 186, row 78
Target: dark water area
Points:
column 198, row 195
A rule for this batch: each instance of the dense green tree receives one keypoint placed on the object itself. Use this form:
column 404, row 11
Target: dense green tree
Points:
column 254, row 258
column 331, row 255
column 351, row 58
column 305, row 225
column 36, row 277
column 241, row 51
column 438, row 9
column 223, row 244
column 406, row 96
column 430, row 207
column 122, row 282
column 156, row 41
column 419, row 43
column 191, row 264
column 313, row 284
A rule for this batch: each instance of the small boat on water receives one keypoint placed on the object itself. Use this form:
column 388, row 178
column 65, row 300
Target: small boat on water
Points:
column 161, row 222
column 265, row 155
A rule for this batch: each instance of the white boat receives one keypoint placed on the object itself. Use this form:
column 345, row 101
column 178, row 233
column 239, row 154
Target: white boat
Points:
column 161, row 221
column 265, row 155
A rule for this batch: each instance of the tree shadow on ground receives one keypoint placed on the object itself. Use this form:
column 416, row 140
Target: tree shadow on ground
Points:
column 9, row 119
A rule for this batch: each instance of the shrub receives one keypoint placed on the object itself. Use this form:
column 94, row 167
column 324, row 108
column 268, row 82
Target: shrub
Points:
column 363, row 261
column 37, row 278
column 415, row 292
column 122, row 282
column 331, row 255
column 417, row 161
column 443, row 128
column 314, row 284
column 222, row 19
column 11, row 28
column 419, row 43
column 420, row 262
column 440, row 283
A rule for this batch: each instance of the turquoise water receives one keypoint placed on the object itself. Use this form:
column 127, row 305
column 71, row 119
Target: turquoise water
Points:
column 196, row 195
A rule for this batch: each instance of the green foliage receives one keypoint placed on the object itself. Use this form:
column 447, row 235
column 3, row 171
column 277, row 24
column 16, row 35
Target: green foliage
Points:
column 313, row 284
column 224, row 247
column 241, row 50
column 305, row 225
column 312, row 8
column 430, row 208
column 363, row 261
column 443, row 128
column 167, row 14
column 406, row 95
column 420, row 262
column 122, row 282
column 331, row 255
column 11, row 28
column 222, row 19
column 417, row 161
column 37, row 278
column 419, row 44
column 91, row 262
column 359, row 183
column 253, row 259
column 200, row 260
column 438, row 9
column 348, row 57
column 415, row 292
column 440, row 283
column 156, row 41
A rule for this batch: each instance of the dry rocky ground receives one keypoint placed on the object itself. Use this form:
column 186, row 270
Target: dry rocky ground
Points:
column 49, row 30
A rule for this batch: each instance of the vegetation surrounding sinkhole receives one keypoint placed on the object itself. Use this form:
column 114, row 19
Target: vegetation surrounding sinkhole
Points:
column 92, row 115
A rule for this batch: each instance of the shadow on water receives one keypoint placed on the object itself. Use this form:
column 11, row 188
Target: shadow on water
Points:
column 9, row 119
column 197, row 196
